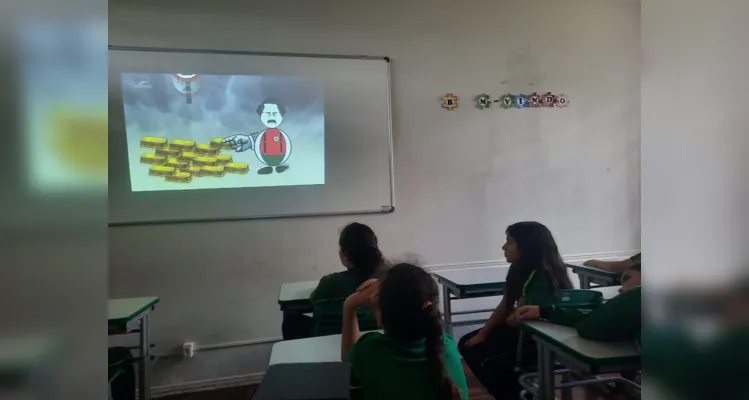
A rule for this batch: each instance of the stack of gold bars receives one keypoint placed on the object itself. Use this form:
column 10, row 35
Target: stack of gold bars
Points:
column 181, row 160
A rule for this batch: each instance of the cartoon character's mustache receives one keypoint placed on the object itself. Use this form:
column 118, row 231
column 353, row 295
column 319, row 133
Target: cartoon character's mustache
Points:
column 271, row 121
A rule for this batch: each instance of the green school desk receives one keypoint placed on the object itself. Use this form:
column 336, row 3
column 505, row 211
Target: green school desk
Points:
column 593, row 275
column 310, row 381
column 319, row 349
column 466, row 284
column 294, row 297
column 561, row 344
column 124, row 313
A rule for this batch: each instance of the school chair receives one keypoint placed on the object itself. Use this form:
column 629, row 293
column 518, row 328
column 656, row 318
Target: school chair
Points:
column 328, row 315
column 120, row 374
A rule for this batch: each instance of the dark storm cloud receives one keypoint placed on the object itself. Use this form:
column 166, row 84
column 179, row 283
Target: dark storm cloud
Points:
column 293, row 93
column 236, row 122
column 136, row 91
column 213, row 91
column 231, row 101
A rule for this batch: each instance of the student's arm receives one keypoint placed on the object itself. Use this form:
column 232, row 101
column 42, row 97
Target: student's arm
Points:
column 363, row 297
column 498, row 317
column 350, row 332
column 506, row 306
column 616, row 319
column 502, row 312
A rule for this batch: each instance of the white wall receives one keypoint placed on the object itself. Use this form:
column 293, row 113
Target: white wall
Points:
column 577, row 169
column 695, row 181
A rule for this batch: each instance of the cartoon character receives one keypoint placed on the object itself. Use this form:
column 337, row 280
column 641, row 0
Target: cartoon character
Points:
column 272, row 146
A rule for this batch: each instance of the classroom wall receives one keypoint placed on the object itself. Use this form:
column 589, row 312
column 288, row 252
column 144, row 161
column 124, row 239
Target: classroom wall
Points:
column 695, row 187
column 577, row 170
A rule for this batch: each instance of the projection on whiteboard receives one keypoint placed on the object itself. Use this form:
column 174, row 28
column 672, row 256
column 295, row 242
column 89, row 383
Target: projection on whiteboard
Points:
column 192, row 131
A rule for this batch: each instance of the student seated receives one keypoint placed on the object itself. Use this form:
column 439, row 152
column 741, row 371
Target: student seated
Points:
column 618, row 319
column 536, row 274
column 413, row 359
column 361, row 258
column 615, row 266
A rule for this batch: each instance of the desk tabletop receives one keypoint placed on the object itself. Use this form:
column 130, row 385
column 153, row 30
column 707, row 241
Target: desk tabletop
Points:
column 473, row 277
column 592, row 270
column 310, row 350
column 595, row 353
column 124, row 310
column 310, row 381
column 296, row 291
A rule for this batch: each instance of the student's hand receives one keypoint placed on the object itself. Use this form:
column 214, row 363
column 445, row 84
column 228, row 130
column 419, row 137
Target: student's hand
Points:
column 526, row 313
column 479, row 337
column 512, row 320
column 365, row 296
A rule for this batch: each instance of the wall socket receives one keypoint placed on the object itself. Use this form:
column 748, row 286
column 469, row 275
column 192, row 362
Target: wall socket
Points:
column 188, row 349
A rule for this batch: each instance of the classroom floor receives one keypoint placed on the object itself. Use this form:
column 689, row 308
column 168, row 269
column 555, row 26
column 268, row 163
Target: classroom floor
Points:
column 475, row 392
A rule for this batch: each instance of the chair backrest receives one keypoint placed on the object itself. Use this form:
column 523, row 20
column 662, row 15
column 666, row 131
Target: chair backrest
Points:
column 329, row 317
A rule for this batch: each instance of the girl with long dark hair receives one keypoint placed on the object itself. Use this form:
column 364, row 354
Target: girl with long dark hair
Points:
column 536, row 273
column 413, row 359
column 362, row 259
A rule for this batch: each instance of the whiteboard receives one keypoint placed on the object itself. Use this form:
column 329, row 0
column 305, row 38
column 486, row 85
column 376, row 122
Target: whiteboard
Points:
column 357, row 171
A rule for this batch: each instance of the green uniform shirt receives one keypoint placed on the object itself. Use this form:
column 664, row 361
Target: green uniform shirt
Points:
column 618, row 319
column 388, row 369
column 538, row 291
column 338, row 285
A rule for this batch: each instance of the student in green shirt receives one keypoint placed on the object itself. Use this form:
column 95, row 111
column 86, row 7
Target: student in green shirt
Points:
column 413, row 359
column 536, row 273
column 360, row 256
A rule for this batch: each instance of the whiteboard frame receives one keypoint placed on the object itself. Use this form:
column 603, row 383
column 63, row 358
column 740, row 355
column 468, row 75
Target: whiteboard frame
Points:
column 382, row 210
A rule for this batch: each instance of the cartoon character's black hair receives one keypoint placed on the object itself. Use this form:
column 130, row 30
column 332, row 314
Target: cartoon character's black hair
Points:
column 538, row 252
column 261, row 106
column 408, row 305
column 358, row 243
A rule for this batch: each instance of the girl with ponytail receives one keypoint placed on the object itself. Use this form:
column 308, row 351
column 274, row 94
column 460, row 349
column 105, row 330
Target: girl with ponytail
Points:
column 360, row 254
column 413, row 359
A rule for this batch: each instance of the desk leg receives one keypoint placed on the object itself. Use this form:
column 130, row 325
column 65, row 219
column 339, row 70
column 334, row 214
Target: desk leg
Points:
column 144, row 363
column 446, row 310
column 567, row 392
column 584, row 281
column 545, row 372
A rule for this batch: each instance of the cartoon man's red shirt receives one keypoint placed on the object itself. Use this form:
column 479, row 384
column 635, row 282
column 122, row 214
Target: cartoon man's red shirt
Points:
column 273, row 143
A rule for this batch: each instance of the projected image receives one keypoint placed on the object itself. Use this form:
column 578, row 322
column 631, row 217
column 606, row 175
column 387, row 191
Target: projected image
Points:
column 192, row 131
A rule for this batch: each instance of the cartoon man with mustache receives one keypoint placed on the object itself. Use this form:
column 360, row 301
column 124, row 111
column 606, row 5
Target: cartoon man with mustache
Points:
column 272, row 146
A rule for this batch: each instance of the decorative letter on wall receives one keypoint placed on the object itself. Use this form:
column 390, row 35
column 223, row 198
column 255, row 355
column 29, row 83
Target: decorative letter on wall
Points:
column 534, row 100
column 450, row 101
column 483, row 101
column 548, row 100
column 507, row 101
